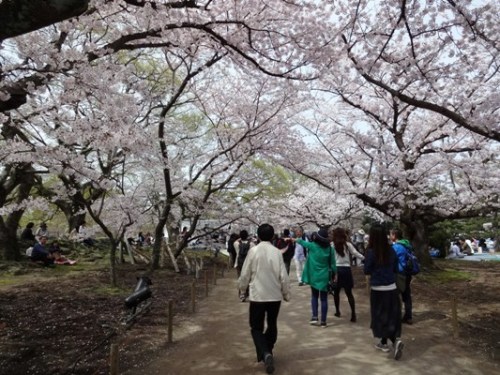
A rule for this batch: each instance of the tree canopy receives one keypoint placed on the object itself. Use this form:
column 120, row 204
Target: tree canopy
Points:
column 139, row 112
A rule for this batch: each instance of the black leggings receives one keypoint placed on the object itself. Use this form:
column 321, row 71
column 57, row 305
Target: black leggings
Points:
column 383, row 340
column 350, row 299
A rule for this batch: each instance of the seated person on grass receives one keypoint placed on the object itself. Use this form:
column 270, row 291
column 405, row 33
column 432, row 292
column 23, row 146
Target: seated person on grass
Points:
column 27, row 234
column 40, row 254
column 84, row 236
column 42, row 231
column 56, row 252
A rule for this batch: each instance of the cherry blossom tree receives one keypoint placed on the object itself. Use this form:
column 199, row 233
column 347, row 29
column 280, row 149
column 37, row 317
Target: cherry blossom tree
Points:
column 74, row 58
column 74, row 101
column 416, row 167
column 411, row 106
column 227, row 125
column 264, row 37
column 439, row 56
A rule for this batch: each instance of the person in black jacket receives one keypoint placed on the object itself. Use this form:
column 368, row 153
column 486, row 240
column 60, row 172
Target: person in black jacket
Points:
column 27, row 233
column 287, row 248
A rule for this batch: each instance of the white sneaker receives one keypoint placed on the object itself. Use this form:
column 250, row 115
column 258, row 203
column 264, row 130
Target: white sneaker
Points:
column 314, row 321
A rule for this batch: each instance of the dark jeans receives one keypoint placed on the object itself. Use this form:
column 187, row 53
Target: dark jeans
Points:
column 264, row 341
column 287, row 265
column 406, row 297
column 44, row 258
column 315, row 293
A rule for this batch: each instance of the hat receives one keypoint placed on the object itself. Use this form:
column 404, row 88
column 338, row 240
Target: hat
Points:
column 322, row 234
column 361, row 231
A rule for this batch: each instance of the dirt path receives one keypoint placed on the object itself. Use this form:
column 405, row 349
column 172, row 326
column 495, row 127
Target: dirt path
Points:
column 217, row 341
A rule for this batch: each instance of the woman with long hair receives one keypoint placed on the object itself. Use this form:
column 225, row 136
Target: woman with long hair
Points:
column 344, row 274
column 381, row 263
column 320, row 266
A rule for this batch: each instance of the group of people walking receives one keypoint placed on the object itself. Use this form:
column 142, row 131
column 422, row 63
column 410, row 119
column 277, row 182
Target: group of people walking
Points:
column 324, row 263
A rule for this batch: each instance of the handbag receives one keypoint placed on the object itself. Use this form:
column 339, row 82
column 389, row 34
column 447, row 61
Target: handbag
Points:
column 332, row 284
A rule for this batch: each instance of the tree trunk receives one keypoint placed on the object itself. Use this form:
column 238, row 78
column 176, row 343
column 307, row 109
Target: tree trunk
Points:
column 418, row 236
column 159, row 238
column 172, row 258
column 75, row 221
column 112, row 262
column 155, row 256
column 9, row 246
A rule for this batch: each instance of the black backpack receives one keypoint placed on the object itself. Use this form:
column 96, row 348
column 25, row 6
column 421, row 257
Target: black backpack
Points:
column 242, row 254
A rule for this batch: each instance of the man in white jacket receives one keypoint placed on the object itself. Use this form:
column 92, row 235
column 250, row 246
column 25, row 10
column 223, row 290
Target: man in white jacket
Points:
column 265, row 274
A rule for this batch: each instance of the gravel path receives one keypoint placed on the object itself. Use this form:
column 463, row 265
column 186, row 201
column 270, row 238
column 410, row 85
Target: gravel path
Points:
column 216, row 340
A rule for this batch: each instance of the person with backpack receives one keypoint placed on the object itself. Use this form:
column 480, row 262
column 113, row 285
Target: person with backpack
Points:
column 242, row 246
column 403, row 250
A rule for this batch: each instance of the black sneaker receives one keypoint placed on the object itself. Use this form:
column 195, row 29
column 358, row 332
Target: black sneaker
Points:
column 269, row 363
column 398, row 349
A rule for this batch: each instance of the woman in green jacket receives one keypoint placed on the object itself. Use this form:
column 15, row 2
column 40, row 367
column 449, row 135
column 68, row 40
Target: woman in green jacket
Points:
column 320, row 265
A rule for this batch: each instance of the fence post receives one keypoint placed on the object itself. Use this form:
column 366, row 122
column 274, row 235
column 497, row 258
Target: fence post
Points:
column 113, row 360
column 215, row 273
column 170, row 319
column 206, row 283
column 193, row 296
column 454, row 316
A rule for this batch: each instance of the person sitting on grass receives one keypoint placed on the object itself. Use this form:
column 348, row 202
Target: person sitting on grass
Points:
column 27, row 233
column 56, row 252
column 455, row 251
column 40, row 254
column 42, row 231
column 84, row 236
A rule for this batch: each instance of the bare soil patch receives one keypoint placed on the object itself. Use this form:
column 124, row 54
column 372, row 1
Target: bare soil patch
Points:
column 65, row 324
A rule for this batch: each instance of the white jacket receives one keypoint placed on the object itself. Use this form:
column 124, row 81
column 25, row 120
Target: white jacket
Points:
column 265, row 272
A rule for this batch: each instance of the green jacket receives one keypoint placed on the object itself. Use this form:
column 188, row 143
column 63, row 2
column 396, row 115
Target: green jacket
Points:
column 316, row 269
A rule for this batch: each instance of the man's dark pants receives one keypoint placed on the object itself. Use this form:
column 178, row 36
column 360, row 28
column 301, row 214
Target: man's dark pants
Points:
column 406, row 297
column 260, row 312
column 287, row 265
